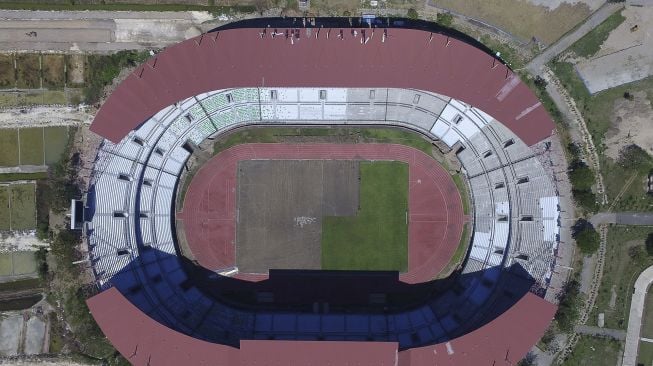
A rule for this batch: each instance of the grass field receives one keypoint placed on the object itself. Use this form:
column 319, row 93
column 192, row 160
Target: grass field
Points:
column 34, row 144
column 625, row 260
column 7, row 72
column 18, row 263
column 591, row 43
column 5, row 214
column 31, row 146
column 647, row 319
column 28, row 70
column 56, row 139
column 645, row 353
column 23, row 206
column 8, row 147
column 377, row 238
column 18, row 206
column 595, row 351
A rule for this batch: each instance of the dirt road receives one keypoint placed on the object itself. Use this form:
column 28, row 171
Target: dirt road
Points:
column 96, row 31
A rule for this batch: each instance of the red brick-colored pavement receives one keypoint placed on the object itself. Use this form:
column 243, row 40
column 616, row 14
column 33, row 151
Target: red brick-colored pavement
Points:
column 435, row 208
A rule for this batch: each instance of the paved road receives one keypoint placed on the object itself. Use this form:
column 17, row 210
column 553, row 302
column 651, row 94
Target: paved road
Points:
column 617, row 334
column 623, row 218
column 563, row 43
column 96, row 31
column 635, row 318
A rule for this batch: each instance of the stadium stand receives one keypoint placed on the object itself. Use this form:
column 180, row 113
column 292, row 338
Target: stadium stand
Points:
column 132, row 242
column 150, row 136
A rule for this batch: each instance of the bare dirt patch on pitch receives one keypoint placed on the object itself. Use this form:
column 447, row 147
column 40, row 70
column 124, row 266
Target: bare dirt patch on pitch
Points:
column 281, row 204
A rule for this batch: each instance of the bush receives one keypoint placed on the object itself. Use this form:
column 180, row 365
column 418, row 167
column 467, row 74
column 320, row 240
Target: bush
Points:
column 412, row 13
column 444, row 19
column 42, row 262
column 540, row 82
column 587, row 239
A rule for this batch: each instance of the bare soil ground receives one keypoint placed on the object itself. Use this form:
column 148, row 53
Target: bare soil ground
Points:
column 625, row 56
column 75, row 67
column 7, row 72
column 281, row 204
column 525, row 19
column 632, row 123
column 53, row 71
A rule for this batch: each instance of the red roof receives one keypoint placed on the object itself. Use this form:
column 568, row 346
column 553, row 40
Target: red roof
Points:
column 407, row 59
column 143, row 341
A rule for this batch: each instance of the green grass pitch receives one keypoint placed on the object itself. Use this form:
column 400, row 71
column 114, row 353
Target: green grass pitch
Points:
column 23, row 206
column 377, row 238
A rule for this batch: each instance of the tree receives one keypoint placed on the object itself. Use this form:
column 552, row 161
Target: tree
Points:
column 586, row 237
column 649, row 244
column 581, row 176
column 629, row 96
column 412, row 13
column 568, row 305
column 540, row 82
column 634, row 157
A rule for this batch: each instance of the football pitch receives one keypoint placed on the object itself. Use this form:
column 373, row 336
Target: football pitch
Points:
column 377, row 237
column 17, row 206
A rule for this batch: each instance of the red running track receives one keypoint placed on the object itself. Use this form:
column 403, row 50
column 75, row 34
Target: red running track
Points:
column 435, row 208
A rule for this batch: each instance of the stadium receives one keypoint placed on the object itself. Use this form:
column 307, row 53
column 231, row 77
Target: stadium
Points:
column 227, row 303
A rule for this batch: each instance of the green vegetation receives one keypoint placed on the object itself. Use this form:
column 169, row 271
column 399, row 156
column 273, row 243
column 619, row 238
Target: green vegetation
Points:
column 18, row 206
column 462, row 188
column 8, row 147
column 412, row 13
column 67, row 289
column 570, row 302
column 598, row 111
column 377, row 238
column 102, row 69
column 31, row 143
column 23, row 206
column 645, row 353
column 53, row 71
column 444, row 19
column 20, row 285
column 582, row 179
column 595, row 351
column 28, row 71
column 7, row 72
column 31, row 146
column 625, row 260
column 459, row 255
column 591, row 43
column 5, row 212
column 55, row 140
column 10, row 177
column 507, row 53
column 385, row 135
column 587, row 238
column 20, row 303
column 633, row 163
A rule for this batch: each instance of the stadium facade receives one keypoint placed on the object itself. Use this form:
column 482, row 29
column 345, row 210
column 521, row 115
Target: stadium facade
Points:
column 428, row 81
